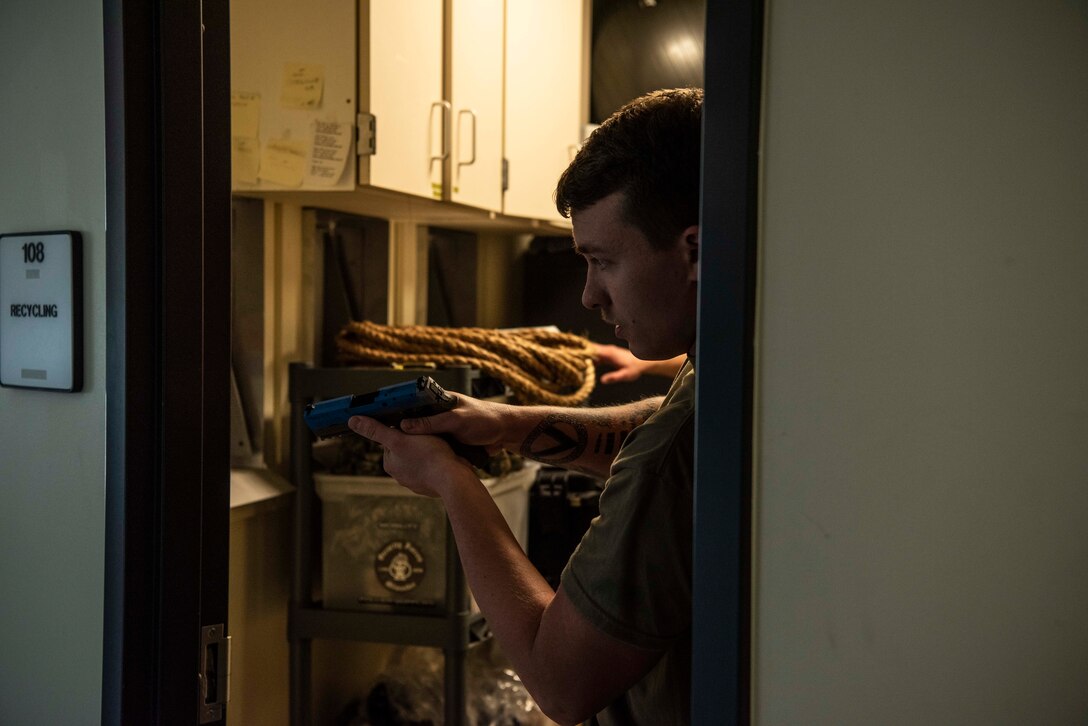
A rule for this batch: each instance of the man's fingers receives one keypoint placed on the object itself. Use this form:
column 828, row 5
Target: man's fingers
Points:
column 372, row 429
column 619, row 376
column 437, row 424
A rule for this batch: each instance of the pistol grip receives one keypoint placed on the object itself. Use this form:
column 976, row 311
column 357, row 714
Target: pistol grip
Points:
column 475, row 455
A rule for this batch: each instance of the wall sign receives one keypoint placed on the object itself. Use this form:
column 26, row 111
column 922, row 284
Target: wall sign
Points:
column 41, row 310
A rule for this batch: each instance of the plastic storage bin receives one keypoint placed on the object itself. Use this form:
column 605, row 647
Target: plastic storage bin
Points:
column 384, row 546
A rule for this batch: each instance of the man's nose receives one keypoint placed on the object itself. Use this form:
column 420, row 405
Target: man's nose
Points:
column 592, row 294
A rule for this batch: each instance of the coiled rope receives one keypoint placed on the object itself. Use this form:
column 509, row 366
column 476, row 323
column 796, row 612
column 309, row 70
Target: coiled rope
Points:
column 540, row 366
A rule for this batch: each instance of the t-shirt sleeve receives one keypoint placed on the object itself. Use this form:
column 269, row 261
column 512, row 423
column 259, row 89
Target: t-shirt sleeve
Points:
column 631, row 574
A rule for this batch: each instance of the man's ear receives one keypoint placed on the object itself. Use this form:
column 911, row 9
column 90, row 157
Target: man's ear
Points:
column 690, row 240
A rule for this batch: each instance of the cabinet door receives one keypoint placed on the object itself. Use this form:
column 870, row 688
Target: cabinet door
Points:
column 293, row 89
column 544, row 62
column 401, row 84
column 476, row 64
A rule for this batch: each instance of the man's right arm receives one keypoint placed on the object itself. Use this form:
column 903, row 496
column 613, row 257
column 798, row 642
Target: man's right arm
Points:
column 582, row 439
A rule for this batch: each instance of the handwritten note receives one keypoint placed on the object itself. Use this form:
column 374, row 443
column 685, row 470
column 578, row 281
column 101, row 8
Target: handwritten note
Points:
column 302, row 86
column 328, row 152
column 245, row 159
column 283, row 161
column 245, row 114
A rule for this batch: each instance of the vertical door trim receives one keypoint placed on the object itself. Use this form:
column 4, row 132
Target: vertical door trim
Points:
column 214, row 545
column 167, row 349
column 721, row 566
column 132, row 407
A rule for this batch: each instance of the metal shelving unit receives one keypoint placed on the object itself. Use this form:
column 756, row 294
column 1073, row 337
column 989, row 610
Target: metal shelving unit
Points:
column 454, row 628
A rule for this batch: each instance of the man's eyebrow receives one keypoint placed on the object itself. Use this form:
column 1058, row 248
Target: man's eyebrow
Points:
column 582, row 249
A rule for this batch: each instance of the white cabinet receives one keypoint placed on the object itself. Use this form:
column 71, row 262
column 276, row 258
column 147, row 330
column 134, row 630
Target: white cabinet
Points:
column 544, row 100
column 425, row 136
column 476, row 87
column 400, row 84
column 425, row 98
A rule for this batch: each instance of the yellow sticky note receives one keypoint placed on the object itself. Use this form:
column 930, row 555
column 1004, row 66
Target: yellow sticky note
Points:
column 245, row 114
column 245, row 159
column 283, row 161
column 302, row 85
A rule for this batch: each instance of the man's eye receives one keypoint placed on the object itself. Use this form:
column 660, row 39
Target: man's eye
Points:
column 599, row 264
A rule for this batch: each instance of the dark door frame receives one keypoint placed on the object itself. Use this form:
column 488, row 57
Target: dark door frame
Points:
column 167, row 351
column 168, row 346
column 721, row 566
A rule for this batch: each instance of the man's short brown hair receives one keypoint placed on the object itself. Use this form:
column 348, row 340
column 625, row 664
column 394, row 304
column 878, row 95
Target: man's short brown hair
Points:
column 649, row 150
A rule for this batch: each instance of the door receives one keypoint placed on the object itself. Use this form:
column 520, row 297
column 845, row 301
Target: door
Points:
column 293, row 95
column 476, row 87
column 543, row 106
column 168, row 347
column 400, row 83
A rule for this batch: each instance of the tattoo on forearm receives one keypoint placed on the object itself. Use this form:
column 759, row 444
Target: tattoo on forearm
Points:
column 556, row 440
column 610, row 442
column 630, row 421
column 560, row 439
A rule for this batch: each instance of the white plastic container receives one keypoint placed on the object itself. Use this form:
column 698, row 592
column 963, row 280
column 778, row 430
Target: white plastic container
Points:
column 383, row 545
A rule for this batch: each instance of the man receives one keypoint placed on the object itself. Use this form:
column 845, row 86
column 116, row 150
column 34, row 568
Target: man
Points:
column 615, row 639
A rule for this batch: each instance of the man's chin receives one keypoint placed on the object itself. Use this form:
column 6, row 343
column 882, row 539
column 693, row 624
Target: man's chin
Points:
column 642, row 353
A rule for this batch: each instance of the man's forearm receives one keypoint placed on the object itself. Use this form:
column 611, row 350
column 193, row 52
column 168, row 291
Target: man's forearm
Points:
column 509, row 590
column 571, row 669
column 583, row 439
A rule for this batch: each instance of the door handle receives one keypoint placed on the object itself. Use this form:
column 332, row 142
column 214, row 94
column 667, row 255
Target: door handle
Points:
column 446, row 108
column 472, row 115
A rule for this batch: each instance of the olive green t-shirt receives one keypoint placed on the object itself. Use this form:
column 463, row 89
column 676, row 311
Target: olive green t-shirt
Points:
column 631, row 574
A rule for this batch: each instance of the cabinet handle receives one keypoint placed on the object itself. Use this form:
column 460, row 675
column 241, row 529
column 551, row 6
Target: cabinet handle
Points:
column 471, row 113
column 446, row 108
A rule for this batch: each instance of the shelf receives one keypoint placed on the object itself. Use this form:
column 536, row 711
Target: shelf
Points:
column 455, row 632
column 252, row 487
column 385, row 204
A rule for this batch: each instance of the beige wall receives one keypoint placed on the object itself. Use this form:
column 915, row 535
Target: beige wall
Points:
column 260, row 586
column 261, row 533
column 923, row 359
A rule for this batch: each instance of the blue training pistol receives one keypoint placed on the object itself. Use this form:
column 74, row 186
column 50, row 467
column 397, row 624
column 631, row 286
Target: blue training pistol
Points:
column 390, row 405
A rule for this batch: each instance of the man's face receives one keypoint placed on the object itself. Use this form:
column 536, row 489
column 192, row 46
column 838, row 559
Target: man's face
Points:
column 648, row 293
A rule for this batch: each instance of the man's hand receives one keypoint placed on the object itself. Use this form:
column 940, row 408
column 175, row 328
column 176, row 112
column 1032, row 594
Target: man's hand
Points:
column 630, row 368
column 420, row 463
column 471, row 421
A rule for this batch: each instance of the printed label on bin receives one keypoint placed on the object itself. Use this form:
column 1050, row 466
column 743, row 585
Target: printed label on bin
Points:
column 400, row 566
